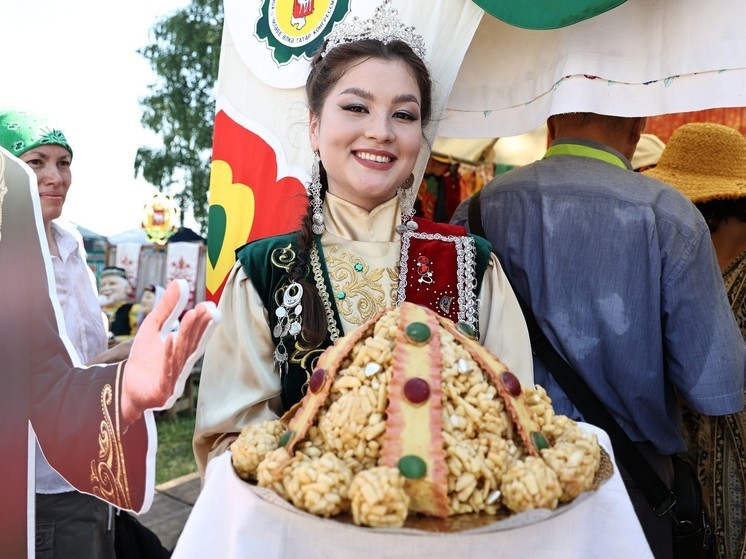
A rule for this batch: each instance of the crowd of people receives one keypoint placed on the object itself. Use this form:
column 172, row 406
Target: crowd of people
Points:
column 630, row 254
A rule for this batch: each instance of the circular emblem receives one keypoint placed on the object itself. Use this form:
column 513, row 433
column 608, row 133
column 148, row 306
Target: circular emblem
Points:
column 160, row 217
column 278, row 39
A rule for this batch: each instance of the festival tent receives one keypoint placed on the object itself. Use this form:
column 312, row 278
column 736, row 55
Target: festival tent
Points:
column 492, row 79
column 505, row 152
column 182, row 256
column 458, row 167
column 92, row 241
column 96, row 246
column 641, row 58
column 129, row 236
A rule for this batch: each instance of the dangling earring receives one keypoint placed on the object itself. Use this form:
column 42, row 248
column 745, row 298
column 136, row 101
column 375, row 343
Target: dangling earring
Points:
column 315, row 191
column 407, row 196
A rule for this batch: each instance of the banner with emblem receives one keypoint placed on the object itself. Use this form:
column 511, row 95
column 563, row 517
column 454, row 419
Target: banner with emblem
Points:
column 128, row 258
column 182, row 262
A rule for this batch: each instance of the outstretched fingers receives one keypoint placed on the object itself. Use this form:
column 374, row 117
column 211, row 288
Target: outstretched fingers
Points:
column 189, row 342
column 171, row 305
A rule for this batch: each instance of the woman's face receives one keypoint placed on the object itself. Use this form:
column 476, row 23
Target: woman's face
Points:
column 146, row 301
column 51, row 163
column 369, row 131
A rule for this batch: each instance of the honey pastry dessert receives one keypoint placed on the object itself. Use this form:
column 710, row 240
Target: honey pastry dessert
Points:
column 410, row 414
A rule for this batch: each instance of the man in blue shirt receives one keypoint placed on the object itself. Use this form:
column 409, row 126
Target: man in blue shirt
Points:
column 621, row 274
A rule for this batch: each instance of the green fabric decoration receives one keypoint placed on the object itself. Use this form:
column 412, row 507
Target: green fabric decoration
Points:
column 21, row 131
column 545, row 14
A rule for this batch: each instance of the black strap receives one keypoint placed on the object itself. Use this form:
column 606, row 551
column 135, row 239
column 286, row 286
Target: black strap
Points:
column 659, row 496
column 475, row 215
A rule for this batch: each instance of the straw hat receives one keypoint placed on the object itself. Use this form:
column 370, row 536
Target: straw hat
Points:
column 705, row 161
column 648, row 151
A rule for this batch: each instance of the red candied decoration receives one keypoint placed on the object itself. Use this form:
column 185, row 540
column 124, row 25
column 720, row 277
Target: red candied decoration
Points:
column 416, row 391
column 317, row 380
column 511, row 383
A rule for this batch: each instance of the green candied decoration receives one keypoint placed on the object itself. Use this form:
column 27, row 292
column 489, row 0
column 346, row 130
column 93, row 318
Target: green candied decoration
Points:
column 418, row 332
column 467, row 330
column 359, row 267
column 539, row 440
column 341, row 295
column 285, row 437
column 412, row 467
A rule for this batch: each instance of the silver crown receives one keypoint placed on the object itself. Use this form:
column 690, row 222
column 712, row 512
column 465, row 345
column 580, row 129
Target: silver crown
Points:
column 384, row 26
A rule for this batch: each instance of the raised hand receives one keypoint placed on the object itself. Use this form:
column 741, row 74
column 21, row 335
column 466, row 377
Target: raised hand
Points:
column 160, row 360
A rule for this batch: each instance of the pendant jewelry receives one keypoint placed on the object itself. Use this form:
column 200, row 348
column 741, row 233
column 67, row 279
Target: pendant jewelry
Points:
column 407, row 196
column 280, row 356
column 314, row 190
column 288, row 322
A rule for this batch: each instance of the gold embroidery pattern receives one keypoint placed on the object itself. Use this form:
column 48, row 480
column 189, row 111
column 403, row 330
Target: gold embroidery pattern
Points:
column 283, row 257
column 306, row 356
column 393, row 274
column 364, row 293
column 109, row 473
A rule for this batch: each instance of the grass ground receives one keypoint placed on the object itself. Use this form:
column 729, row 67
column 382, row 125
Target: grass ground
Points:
column 174, row 457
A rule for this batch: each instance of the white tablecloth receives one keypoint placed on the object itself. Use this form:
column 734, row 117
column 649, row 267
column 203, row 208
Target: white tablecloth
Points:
column 234, row 519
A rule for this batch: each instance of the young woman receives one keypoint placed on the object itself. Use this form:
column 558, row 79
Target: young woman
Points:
column 358, row 250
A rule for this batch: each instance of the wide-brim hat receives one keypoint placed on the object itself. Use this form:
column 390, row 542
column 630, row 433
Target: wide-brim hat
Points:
column 705, row 161
column 545, row 14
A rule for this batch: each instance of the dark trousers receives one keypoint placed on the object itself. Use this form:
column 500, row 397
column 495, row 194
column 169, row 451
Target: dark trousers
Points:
column 73, row 525
column 658, row 529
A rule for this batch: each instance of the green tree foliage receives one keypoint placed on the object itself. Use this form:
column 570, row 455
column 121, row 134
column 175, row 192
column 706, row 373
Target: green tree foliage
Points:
column 180, row 106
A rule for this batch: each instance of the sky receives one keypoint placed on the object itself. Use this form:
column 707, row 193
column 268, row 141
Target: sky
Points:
column 76, row 62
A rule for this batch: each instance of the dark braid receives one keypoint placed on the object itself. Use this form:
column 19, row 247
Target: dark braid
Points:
column 314, row 316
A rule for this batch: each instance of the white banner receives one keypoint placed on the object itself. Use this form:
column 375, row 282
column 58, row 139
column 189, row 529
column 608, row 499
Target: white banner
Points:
column 128, row 258
column 182, row 262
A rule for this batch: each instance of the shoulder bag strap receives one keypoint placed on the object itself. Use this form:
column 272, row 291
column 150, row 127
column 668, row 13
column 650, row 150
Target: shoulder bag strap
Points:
column 475, row 215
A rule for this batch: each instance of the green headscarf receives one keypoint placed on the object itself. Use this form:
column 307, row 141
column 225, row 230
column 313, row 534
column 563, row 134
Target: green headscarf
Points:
column 21, row 131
